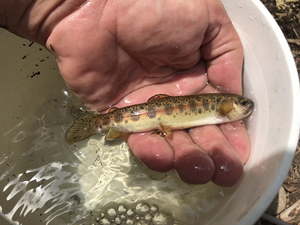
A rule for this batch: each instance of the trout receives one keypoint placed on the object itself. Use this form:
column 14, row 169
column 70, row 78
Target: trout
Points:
column 161, row 114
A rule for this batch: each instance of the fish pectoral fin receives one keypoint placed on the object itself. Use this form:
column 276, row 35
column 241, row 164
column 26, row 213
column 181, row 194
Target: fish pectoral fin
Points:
column 163, row 131
column 156, row 97
column 113, row 134
column 225, row 107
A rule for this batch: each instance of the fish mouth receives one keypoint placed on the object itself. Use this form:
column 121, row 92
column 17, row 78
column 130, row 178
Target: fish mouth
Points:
column 249, row 108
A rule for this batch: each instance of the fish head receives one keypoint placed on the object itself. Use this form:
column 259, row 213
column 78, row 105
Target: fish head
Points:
column 236, row 108
column 242, row 107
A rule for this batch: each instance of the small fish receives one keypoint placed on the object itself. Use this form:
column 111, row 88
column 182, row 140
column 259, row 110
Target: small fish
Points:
column 161, row 114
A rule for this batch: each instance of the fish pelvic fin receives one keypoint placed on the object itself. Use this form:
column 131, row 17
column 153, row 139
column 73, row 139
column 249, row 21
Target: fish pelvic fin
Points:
column 82, row 127
column 163, row 130
column 166, row 130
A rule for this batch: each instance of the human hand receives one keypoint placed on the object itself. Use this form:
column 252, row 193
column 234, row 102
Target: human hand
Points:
column 122, row 53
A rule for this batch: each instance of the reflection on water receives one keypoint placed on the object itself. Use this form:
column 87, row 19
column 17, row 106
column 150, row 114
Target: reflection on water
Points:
column 45, row 184
column 92, row 182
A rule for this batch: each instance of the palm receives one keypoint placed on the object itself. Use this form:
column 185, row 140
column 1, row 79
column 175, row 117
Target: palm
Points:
column 124, row 54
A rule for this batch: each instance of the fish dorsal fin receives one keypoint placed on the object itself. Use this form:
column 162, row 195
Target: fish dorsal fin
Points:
column 113, row 134
column 225, row 107
column 112, row 109
column 78, row 113
column 156, row 97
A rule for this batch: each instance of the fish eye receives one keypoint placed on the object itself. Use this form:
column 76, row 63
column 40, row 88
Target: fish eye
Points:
column 244, row 102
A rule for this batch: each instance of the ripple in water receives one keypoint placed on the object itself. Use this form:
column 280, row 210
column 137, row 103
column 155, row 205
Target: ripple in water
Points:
column 93, row 182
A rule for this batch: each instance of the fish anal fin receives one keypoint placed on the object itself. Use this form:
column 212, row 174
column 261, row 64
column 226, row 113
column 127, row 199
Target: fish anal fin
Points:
column 156, row 97
column 225, row 107
column 112, row 109
column 113, row 134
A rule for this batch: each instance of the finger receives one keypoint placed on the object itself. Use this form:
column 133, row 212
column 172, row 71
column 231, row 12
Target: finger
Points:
column 152, row 150
column 224, row 71
column 238, row 137
column 222, row 50
column 192, row 164
column 228, row 165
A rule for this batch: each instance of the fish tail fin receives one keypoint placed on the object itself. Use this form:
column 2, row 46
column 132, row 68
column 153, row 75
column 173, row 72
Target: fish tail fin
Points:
column 81, row 128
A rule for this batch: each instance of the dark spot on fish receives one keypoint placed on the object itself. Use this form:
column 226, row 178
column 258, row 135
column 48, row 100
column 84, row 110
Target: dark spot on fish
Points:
column 205, row 104
column 168, row 109
column 151, row 112
column 126, row 121
column 135, row 115
column 193, row 106
column 159, row 118
column 181, row 108
column 219, row 100
column 118, row 117
column 212, row 107
column 106, row 120
column 97, row 123
column 186, row 113
column 175, row 101
column 199, row 111
column 198, row 97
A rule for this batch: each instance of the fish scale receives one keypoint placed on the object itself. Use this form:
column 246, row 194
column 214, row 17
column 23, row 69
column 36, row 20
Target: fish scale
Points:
column 162, row 114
